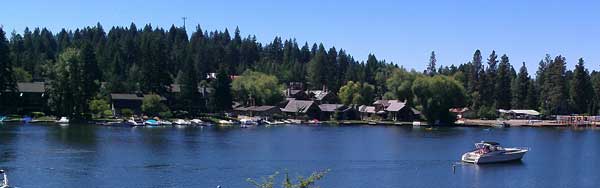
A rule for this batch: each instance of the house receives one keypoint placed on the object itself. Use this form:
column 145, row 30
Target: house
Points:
column 462, row 112
column 30, row 97
column 336, row 112
column 520, row 114
column 396, row 110
column 199, row 102
column 263, row 111
column 323, row 96
column 301, row 109
column 132, row 101
column 370, row 113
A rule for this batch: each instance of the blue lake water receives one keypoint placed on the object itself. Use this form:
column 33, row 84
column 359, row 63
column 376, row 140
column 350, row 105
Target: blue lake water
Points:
column 358, row 156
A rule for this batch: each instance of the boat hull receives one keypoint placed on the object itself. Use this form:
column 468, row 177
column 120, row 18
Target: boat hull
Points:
column 507, row 156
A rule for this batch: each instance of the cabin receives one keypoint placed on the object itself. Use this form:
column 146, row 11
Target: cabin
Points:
column 132, row 101
column 301, row 109
column 323, row 96
column 262, row 111
column 336, row 112
column 199, row 103
column 30, row 97
column 462, row 112
column 370, row 113
column 520, row 114
column 395, row 110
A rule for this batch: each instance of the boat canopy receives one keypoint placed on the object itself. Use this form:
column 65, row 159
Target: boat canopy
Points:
column 490, row 143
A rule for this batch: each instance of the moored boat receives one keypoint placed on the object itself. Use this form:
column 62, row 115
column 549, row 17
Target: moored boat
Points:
column 151, row 122
column 182, row 122
column 4, row 182
column 63, row 120
column 492, row 152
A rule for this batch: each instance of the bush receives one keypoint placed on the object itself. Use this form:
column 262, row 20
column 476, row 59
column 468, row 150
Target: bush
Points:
column 98, row 107
column 152, row 106
column 126, row 112
column 166, row 114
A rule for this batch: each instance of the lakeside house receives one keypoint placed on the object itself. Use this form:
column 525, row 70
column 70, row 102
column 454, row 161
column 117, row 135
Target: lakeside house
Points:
column 519, row 114
column 301, row 109
column 262, row 111
column 394, row 110
column 336, row 112
column 132, row 101
column 30, row 97
column 462, row 112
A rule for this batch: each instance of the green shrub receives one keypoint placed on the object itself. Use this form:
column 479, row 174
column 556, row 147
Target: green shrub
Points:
column 126, row 112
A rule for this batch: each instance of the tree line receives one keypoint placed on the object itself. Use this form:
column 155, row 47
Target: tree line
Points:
column 89, row 63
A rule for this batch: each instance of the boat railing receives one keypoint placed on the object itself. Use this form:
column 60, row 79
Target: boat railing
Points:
column 523, row 148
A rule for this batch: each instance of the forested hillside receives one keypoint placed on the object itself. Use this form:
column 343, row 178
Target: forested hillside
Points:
column 76, row 63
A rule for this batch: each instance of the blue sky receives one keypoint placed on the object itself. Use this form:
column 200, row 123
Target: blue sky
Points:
column 404, row 32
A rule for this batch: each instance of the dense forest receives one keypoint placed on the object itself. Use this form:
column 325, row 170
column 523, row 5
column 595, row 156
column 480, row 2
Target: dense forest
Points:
column 87, row 64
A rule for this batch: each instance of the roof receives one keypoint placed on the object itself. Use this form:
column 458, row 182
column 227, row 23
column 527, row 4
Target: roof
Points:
column 31, row 87
column 176, row 88
column 330, row 107
column 526, row 112
column 319, row 94
column 459, row 110
column 395, row 105
column 262, row 108
column 129, row 96
column 300, row 106
column 366, row 109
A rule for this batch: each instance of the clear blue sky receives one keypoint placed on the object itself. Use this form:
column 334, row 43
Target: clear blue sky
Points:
column 404, row 32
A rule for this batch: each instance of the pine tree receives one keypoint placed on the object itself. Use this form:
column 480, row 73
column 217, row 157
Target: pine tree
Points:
column 7, row 77
column 521, row 89
column 431, row 66
column 581, row 89
column 488, row 81
column 316, row 73
column 554, row 99
column 475, row 74
column 503, row 84
column 189, row 88
column 221, row 97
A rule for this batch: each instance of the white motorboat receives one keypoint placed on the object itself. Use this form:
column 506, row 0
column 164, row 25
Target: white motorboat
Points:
column 164, row 122
column 182, row 122
column 248, row 122
column 492, row 152
column 63, row 120
column 4, row 183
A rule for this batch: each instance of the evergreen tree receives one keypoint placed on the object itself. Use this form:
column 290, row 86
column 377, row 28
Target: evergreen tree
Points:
column 581, row 89
column 521, row 89
column 7, row 77
column 189, row 88
column 503, row 84
column 475, row 75
column 489, row 80
column 221, row 97
column 317, row 73
column 431, row 66
column 553, row 89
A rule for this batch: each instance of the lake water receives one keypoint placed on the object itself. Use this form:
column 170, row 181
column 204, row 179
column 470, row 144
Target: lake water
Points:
column 358, row 156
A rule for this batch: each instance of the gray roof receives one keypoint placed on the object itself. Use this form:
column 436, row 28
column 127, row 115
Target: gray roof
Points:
column 262, row 108
column 300, row 106
column 526, row 112
column 330, row 107
column 395, row 105
column 31, row 87
column 391, row 105
column 129, row 96
column 176, row 88
column 319, row 94
column 366, row 109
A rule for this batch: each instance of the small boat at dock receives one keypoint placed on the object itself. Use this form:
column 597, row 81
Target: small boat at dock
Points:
column 4, row 182
column 63, row 120
column 492, row 152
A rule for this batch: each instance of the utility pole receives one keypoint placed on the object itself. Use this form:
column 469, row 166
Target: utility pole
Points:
column 184, row 18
